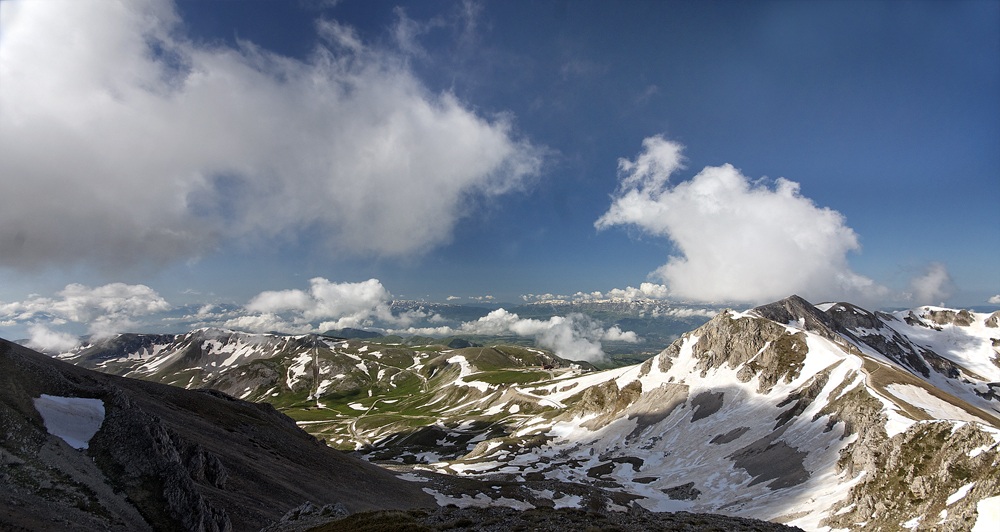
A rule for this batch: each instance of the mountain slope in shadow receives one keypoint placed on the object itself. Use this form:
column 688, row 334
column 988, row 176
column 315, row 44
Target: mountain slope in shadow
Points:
column 166, row 458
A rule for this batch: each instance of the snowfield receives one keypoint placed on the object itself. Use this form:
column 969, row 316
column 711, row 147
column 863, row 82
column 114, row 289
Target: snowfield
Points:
column 74, row 419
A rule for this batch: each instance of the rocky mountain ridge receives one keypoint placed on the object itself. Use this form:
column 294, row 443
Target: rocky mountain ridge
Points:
column 824, row 417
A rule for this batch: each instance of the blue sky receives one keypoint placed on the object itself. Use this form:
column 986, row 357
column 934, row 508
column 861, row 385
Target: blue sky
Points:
column 719, row 152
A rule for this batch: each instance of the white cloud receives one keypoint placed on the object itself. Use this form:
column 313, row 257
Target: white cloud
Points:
column 995, row 300
column 933, row 286
column 736, row 240
column 124, row 141
column 48, row 341
column 105, row 310
column 281, row 300
column 645, row 292
column 615, row 334
column 326, row 305
column 266, row 322
column 452, row 298
column 684, row 312
column 573, row 337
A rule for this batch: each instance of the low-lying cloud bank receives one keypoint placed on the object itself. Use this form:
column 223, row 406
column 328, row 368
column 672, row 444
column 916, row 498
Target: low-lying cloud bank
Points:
column 103, row 311
column 736, row 239
column 326, row 305
column 646, row 291
column 133, row 143
column 574, row 337
column 331, row 306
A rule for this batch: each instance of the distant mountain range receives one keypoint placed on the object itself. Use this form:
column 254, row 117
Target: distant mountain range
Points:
column 819, row 416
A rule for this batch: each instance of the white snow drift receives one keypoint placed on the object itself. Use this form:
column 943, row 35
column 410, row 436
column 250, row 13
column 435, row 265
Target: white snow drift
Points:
column 74, row 419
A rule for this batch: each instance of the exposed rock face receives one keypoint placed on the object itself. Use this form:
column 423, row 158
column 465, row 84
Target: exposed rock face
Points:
column 870, row 329
column 759, row 347
column 147, row 460
column 607, row 401
column 166, row 458
column 795, row 309
column 961, row 318
column 916, row 473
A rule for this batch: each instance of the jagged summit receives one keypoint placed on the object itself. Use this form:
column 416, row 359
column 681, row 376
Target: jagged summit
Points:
column 796, row 309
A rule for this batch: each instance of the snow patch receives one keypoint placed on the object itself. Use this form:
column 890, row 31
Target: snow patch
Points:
column 960, row 494
column 937, row 408
column 480, row 500
column 988, row 518
column 466, row 370
column 567, row 501
column 74, row 419
column 411, row 477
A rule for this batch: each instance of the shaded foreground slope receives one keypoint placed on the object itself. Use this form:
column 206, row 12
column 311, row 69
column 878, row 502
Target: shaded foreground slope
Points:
column 166, row 458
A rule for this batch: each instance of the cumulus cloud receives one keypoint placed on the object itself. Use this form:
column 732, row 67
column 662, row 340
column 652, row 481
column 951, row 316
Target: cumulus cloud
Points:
column 684, row 312
column 995, row 300
column 615, row 334
column 104, row 310
column 125, row 141
column 332, row 305
column 46, row 340
column 933, row 286
column 574, row 337
column 737, row 240
column 645, row 292
column 267, row 322
column 326, row 305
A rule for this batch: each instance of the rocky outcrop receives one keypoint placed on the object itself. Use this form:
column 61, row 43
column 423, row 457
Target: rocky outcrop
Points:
column 147, row 462
column 756, row 346
column 795, row 309
column 605, row 400
column 919, row 473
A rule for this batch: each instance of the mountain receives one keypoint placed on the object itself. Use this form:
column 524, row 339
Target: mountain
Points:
column 85, row 451
column 351, row 392
column 134, row 455
column 821, row 416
